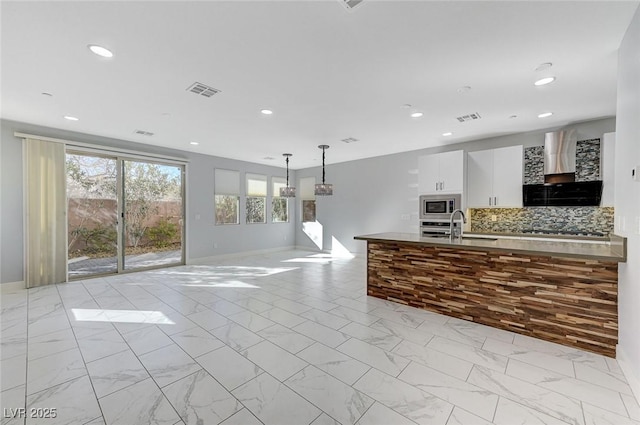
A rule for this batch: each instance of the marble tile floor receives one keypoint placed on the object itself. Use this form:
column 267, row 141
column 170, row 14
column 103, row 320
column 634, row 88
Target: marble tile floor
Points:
column 278, row 339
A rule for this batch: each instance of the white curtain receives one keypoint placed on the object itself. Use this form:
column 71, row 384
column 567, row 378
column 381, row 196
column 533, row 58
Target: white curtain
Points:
column 46, row 222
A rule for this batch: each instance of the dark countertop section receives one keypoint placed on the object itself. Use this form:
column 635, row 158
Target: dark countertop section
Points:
column 611, row 250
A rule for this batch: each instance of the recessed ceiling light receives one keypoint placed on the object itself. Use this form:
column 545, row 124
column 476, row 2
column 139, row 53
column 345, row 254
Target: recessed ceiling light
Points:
column 545, row 80
column 545, row 115
column 544, row 66
column 44, row 93
column 70, row 118
column 463, row 89
column 513, row 116
column 448, row 133
column 194, row 143
column 267, row 111
column 416, row 114
column 100, row 51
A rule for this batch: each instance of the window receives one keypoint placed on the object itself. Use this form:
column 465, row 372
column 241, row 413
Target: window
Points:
column 227, row 196
column 307, row 186
column 279, row 205
column 256, row 198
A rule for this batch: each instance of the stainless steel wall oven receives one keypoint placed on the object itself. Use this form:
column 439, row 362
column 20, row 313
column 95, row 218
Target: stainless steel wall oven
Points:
column 435, row 212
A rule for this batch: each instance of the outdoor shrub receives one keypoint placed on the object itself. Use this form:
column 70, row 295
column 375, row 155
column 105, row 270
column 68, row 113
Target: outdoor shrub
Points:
column 163, row 234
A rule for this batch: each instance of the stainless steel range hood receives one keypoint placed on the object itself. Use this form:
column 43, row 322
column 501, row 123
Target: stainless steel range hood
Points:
column 560, row 156
column 560, row 187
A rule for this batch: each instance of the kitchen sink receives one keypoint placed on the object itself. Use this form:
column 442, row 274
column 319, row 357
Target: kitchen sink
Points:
column 484, row 238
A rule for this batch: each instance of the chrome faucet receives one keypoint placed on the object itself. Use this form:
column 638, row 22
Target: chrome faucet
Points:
column 451, row 229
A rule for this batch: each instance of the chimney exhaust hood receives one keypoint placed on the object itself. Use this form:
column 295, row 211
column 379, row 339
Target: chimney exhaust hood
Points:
column 560, row 188
column 560, row 156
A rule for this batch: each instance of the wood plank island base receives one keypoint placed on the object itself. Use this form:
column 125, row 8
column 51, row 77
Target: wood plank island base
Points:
column 567, row 300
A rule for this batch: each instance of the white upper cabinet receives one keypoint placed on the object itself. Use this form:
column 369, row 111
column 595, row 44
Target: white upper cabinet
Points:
column 480, row 178
column 607, row 151
column 441, row 173
column 494, row 178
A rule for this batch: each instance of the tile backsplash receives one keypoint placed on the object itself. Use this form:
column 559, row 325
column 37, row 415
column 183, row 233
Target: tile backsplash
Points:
column 588, row 160
column 517, row 220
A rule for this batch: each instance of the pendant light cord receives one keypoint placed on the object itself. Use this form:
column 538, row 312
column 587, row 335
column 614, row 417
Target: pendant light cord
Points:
column 322, row 165
column 287, row 171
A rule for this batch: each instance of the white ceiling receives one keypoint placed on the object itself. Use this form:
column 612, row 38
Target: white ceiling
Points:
column 328, row 73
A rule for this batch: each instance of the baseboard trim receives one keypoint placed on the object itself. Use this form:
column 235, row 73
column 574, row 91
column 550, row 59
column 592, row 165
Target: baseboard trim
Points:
column 205, row 260
column 625, row 364
column 9, row 287
column 306, row 248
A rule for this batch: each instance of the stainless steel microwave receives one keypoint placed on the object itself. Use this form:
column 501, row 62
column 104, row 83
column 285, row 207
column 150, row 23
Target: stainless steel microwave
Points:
column 439, row 206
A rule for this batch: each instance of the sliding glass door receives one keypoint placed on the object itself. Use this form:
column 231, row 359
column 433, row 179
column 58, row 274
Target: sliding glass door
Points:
column 153, row 219
column 123, row 214
column 92, row 215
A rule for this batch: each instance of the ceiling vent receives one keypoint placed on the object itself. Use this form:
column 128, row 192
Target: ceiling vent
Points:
column 469, row 117
column 350, row 4
column 349, row 140
column 202, row 89
column 143, row 133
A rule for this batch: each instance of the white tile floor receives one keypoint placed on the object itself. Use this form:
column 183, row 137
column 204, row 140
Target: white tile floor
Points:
column 284, row 338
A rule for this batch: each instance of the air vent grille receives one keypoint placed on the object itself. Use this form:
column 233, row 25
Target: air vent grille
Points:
column 202, row 89
column 143, row 133
column 469, row 117
column 349, row 140
column 351, row 3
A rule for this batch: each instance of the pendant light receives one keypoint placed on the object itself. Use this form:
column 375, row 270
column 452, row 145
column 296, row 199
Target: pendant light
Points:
column 287, row 192
column 324, row 189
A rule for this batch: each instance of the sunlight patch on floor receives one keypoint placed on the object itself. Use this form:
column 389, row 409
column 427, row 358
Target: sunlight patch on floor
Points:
column 121, row 316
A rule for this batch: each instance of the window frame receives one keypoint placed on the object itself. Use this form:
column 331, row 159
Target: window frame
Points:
column 225, row 188
column 276, row 183
column 307, row 197
column 252, row 194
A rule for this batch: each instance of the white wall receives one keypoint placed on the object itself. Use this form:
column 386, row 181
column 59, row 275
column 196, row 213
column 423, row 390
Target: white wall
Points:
column 371, row 195
column 627, row 202
column 201, row 234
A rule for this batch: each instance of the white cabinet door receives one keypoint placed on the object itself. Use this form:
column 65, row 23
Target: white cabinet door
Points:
column 479, row 179
column 441, row 173
column 507, row 177
column 494, row 178
column 429, row 174
column 607, row 164
column 452, row 172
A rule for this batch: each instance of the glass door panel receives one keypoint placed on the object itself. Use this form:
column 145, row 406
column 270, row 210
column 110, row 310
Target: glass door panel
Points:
column 91, row 215
column 152, row 213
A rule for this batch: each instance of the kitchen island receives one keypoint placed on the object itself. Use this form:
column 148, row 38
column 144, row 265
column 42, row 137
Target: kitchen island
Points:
column 557, row 290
